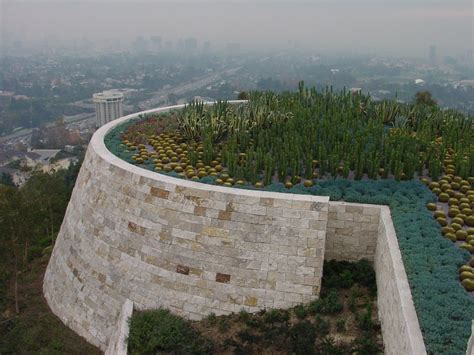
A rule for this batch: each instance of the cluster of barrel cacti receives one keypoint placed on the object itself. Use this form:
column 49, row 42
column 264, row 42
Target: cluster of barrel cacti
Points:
column 454, row 211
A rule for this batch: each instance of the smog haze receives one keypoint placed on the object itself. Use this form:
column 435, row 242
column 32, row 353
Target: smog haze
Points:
column 380, row 27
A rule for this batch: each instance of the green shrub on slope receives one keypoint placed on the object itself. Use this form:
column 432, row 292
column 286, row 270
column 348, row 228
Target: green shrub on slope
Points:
column 159, row 331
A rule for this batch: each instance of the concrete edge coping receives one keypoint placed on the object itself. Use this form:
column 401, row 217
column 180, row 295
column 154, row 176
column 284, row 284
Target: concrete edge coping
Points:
column 98, row 145
column 408, row 307
column 356, row 204
column 470, row 344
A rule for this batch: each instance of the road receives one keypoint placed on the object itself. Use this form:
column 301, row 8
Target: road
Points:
column 161, row 96
column 27, row 131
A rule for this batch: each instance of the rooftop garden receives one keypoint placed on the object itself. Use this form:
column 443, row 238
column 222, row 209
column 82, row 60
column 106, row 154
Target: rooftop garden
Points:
column 347, row 147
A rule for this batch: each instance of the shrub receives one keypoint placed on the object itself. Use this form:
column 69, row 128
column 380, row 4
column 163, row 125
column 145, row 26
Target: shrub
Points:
column 329, row 304
column 365, row 345
column 364, row 321
column 248, row 337
column 244, row 316
column 302, row 336
column 159, row 331
column 341, row 325
column 355, row 294
column 223, row 324
column 211, row 319
column 276, row 316
column 328, row 347
column 275, row 333
column 322, row 326
column 300, row 311
column 344, row 274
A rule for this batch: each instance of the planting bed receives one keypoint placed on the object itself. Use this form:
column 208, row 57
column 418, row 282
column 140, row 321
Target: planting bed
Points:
column 303, row 137
column 342, row 321
column 321, row 143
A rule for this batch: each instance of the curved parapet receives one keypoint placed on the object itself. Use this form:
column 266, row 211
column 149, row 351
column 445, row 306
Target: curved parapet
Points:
column 196, row 249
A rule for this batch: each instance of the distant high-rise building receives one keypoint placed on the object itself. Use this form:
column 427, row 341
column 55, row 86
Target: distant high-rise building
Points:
column 190, row 44
column 140, row 44
column 432, row 54
column 179, row 45
column 156, row 42
column 233, row 47
column 206, row 47
column 108, row 106
column 469, row 58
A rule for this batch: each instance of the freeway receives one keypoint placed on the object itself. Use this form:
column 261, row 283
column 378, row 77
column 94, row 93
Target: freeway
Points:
column 27, row 131
column 161, row 96
column 158, row 98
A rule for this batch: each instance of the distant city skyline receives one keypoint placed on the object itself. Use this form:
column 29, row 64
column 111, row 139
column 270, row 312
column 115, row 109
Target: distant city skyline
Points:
column 398, row 28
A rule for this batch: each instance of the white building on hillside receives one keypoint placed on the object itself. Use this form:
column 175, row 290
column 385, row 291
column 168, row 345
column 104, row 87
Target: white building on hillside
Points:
column 108, row 106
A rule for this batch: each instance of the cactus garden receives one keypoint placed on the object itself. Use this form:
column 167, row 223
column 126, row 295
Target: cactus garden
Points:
column 307, row 136
column 303, row 136
column 417, row 159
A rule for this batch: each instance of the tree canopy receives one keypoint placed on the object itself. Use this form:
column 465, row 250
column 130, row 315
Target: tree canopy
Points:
column 425, row 98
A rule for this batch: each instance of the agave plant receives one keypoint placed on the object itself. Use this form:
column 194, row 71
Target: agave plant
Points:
column 400, row 122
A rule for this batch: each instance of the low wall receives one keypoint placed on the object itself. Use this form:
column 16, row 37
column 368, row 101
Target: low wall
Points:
column 352, row 231
column 356, row 231
column 400, row 327
column 130, row 233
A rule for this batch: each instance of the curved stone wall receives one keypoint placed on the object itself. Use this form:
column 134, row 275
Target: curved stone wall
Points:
column 130, row 233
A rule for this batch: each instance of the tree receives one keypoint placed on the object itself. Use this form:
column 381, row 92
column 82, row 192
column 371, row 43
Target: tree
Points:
column 173, row 99
column 46, row 209
column 13, row 230
column 30, row 215
column 424, row 98
column 243, row 95
column 6, row 179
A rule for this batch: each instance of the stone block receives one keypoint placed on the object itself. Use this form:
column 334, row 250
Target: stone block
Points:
column 159, row 193
column 223, row 278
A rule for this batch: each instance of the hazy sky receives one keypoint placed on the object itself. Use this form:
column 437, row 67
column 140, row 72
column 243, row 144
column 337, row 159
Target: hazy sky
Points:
column 398, row 27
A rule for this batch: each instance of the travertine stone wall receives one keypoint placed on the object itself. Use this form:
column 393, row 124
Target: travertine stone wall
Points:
column 352, row 231
column 356, row 231
column 134, row 236
column 400, row 327
column 118, row 344
column 130, row 233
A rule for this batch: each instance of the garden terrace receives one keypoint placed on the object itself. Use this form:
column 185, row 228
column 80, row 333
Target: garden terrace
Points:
column 141, row 232
column 342, row 321
column 279, row 141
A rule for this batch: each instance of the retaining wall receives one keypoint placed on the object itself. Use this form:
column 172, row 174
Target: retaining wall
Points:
column 357, row 231
column 400, row 327
column 132, row 235
column 352, row 231
column 190, row 247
